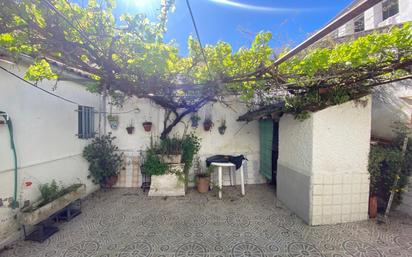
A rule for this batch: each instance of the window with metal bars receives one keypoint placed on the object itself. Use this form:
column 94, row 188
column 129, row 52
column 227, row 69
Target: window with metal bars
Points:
column 85, row 122
column 389, row 8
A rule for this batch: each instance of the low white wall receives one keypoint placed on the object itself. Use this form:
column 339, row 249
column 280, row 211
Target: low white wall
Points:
column 324, row 176
column 45, row 129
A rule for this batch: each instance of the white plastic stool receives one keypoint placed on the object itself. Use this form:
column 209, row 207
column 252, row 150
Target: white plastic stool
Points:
column 220, row 175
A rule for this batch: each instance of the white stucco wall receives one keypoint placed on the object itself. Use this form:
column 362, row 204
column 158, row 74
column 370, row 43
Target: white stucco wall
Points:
column 322, row 166
column 240, row 137
column 45, row 129
column 296, row 144
column 341, row 137
column 388, row 108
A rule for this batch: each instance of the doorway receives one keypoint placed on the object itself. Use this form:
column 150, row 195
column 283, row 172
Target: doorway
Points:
column 269, row 149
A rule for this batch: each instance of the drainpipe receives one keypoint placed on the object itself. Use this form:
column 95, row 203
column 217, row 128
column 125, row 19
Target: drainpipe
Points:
column 7, row 119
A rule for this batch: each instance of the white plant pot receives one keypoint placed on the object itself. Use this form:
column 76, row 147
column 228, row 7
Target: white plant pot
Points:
column 44, row 212
column 168, row 184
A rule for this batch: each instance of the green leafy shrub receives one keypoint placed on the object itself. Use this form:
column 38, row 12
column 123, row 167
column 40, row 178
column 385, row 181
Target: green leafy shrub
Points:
column 50, row 191
column 190, row 147
column 153, row 166
column 168, row 146
column 104, row 159
column 384, row 164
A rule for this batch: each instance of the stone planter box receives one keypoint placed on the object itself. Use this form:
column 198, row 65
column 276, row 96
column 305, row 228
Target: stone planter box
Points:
column 168, row 184
column 44, row 212
column 172, row 158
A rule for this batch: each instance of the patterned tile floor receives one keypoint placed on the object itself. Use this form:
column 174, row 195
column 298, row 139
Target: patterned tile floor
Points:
column 125, row 222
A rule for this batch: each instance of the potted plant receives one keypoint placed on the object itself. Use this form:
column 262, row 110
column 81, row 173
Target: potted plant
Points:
column 147, row 125
column 323, row 90
column 195, row 120
column 207, row 124
column 113, row 121
column 53, row 199
column 222, row 127
column 164, row 164
column 130, row 128
column 104, row 159
column 166, row 179
column 203, row 181
column 374, row 167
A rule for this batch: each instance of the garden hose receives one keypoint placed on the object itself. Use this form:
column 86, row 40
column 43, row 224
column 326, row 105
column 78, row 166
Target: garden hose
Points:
column 13, row 148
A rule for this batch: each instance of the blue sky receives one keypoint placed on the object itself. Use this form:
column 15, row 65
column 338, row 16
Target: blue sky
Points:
column 236, row 21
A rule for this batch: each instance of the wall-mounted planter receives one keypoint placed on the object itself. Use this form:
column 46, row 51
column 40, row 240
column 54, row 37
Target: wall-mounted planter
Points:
column 147, row 125
column 207, row 125
column 113, row 121
column 38, row 215
column 222, row 127
column 130, row 130
column 222, row 130
column 195, row 121
column 168, row 184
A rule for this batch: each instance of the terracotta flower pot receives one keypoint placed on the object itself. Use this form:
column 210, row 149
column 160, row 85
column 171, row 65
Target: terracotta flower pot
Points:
column 203, row 184
column 110, row 181
column 323, row 90
column 130, row 130
column 147, row 126
column 373, row 206
column 207, row 126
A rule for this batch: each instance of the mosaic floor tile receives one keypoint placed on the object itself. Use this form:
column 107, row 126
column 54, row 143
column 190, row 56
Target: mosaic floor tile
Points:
column 125, row 222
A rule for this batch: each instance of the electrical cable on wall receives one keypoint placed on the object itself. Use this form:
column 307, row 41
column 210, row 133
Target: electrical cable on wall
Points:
column 198, row 38
column 39, row 88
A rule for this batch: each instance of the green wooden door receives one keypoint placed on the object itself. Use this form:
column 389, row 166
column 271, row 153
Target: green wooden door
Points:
column 266, row 140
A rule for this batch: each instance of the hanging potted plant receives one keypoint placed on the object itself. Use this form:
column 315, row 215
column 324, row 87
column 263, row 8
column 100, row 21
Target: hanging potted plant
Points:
column 222, row 127
column 147, row 125
column 130, row 128
column 195, row 120
column 207, row 124
column 113, row 121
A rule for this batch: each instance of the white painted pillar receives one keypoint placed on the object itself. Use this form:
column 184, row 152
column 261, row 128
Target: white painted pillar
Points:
column 322, row 166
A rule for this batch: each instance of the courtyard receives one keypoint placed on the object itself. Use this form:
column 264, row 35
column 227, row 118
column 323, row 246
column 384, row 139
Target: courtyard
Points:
column 125, row 222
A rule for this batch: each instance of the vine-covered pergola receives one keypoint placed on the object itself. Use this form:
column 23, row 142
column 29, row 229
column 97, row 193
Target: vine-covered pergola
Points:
column 127, row 56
